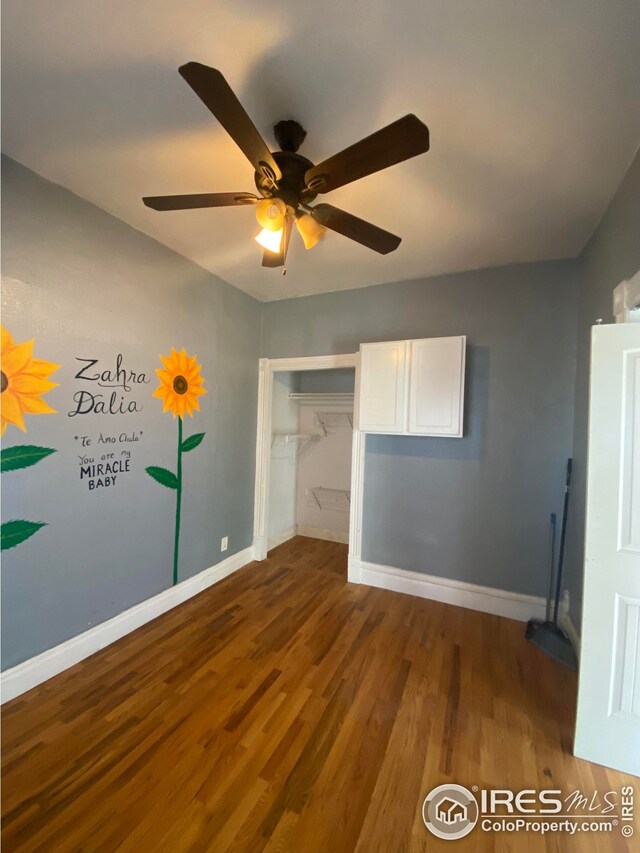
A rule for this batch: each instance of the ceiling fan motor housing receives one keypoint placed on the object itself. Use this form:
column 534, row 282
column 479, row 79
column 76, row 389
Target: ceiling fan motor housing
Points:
column 291, row 187
column 289, row 135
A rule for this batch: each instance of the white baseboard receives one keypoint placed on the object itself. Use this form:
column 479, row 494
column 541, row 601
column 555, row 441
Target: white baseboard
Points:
column 499, row 602
column 283, row 536
column 323, row 533
column 307, row 530
column 34, row 671
column 353, row 568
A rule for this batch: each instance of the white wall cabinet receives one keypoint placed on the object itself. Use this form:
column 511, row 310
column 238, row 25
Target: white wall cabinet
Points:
column 436, row 386
column 413, row 387
column 383, row 391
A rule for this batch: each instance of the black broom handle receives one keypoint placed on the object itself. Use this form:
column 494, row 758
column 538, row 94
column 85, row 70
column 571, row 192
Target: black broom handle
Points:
column 552, row 568
column 563, row 532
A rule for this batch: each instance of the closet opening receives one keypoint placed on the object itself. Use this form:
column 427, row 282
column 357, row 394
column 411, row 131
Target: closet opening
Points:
column 310, row 460
column 307, row 443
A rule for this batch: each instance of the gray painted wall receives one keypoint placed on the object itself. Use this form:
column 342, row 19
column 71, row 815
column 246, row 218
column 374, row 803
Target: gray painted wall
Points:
column 477, row 508
column 335, row 381
column 612, row 254
column 84, row 284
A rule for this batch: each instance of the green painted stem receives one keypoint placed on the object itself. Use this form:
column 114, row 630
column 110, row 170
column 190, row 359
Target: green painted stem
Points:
column 178, row 504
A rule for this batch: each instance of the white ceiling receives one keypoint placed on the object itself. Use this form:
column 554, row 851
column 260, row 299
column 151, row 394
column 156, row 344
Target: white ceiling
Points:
column 533, row 108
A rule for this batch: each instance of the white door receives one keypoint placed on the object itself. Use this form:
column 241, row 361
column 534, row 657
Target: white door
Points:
column 436, row 387
column 382, row 386
column 608, row 719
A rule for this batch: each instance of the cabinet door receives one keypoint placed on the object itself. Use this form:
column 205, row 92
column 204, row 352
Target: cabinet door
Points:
column 436, row 392
column 382, row 386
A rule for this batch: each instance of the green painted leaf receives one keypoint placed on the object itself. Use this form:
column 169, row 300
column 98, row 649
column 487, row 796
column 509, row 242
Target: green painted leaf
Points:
column 22, row 456
column 163, row 476
column 192, row 441
column 12, row 533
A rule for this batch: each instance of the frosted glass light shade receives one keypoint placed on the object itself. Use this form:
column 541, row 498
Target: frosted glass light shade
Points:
column 310, row 230
column 270, row 240
column 270, row 213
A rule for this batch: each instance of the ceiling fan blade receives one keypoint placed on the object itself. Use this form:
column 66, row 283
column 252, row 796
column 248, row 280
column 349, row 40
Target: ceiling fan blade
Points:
column 214, row 91
column 404, row 138
column 356, row 229
column 187, row 202
column 273, row 259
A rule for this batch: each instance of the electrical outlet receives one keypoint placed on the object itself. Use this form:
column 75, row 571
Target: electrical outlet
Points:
column 224, row 543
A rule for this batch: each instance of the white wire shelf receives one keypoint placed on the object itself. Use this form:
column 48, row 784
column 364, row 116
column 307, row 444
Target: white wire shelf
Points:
column 284, row 444
column 329, row 421
column 323, row 498
column 329, row 398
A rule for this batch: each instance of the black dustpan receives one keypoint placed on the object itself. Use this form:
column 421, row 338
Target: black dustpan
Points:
column 548, row 637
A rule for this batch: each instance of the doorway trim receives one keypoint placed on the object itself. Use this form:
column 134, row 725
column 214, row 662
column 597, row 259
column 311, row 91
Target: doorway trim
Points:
column 267, row 368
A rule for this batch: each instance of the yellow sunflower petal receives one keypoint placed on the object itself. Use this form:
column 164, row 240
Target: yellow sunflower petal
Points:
column 15, row 358
column 170, row 361
column 164, row 376
column 193, row 366
column 168, row 405
column 39, row 367
column 24, row 383
column 194, row 372
column 11, row 411
column 36, row 406
column 161, row 391
column 7, row 340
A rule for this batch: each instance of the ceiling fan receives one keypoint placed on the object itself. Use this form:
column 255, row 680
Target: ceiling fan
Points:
column 288, row 182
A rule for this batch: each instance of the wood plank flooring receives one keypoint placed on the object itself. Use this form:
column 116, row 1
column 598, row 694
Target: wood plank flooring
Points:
column 285, row 710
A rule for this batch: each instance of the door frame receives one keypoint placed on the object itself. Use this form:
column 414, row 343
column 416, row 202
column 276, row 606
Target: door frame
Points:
column 267, row 368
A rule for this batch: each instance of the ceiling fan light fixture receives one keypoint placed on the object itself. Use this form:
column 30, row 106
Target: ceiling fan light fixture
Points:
column 270, row 213
column 310, row 230
column 270, row 240
column 287, row 181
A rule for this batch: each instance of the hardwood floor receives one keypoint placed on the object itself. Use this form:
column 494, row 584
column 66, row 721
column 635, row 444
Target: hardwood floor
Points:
column 285, row 710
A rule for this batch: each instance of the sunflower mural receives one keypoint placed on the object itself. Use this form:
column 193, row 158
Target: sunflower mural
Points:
column 180, row 387
column 23, row 382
